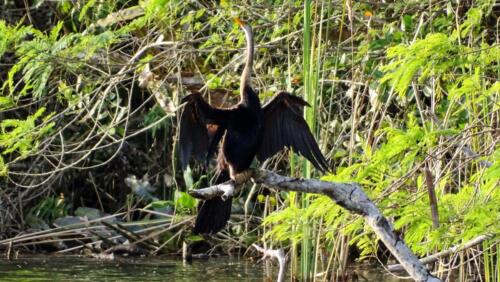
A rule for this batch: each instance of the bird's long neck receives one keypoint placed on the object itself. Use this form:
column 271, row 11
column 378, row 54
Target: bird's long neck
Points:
column 246, row 81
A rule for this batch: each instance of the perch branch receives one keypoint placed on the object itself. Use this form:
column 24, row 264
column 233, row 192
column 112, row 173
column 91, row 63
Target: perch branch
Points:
column 348, row 195
column 223, row 190
column 277, row 254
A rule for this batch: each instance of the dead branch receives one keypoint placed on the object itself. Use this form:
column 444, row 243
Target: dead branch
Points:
column 277, row 254
column 436, row 256
column 429, row 180
column 348, row 195
column 131, row 236
column 223, row 190
column 473, row 155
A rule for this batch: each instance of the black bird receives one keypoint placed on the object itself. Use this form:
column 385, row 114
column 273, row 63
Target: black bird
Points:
column 247, row 130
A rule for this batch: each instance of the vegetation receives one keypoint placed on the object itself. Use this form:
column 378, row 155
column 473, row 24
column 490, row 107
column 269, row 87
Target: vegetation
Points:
column 404, row 100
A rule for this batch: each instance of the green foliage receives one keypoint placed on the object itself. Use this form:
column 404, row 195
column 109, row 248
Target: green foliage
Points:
column 284, row 222
column 184, row 203
column 153, row 116
column 164, row 12
column 464, row 215
column 12, row 35
column 402, row 151
column 459, row 222
column 23, row 136
column 45, row 54
column 5, row 102
column 51, row 208
column 432, row 56
column 456, row 70
column 159, row 204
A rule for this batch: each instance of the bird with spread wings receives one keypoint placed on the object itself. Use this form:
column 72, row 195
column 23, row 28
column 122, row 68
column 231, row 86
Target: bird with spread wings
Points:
column 242, row 132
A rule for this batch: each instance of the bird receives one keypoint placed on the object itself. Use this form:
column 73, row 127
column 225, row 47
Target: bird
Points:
column 242, row 133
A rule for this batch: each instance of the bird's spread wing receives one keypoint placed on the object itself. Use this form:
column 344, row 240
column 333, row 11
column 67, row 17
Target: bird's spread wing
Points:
column 215, row 134
column 284, row 126
column 201, row 129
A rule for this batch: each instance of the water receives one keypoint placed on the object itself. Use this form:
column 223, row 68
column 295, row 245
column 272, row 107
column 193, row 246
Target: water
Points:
column 73, row 268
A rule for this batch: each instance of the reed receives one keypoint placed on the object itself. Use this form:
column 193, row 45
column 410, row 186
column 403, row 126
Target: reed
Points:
column 310, row 97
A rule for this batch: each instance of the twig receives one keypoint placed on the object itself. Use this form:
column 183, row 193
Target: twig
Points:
column 120, row 229
column 277, row 254
column 429, row 179
column 473, row 155
column 351, row 197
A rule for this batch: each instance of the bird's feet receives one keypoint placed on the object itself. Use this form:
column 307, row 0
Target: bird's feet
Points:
column 241, row 177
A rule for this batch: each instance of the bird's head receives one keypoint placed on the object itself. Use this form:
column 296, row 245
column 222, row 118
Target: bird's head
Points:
column 239, row 22
column 242, row 24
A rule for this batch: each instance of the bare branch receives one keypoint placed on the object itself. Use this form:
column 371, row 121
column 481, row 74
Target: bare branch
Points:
column 277, row 254
column 473, row 155
column 348, row 195
column 436, row 256
column 223, row 190
column 429, row 180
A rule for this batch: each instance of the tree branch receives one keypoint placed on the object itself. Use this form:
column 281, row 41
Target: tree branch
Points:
column 348, row 195
column 433, row 258
column 223, row 190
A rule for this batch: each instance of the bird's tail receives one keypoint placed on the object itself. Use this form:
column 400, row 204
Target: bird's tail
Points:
column 214, row 213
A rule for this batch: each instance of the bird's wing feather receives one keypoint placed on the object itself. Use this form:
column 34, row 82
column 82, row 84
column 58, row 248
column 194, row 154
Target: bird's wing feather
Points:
column 215, row 134
column 201, row 126
column 284, row 126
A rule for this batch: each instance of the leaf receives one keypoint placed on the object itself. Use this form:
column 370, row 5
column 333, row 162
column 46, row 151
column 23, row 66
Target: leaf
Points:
column 22, row 136
column 407, row 23
column 160, row 204
column 54, row 33
column 5, row 102
column 188, row 178
column 184, row 201
column 433, row 55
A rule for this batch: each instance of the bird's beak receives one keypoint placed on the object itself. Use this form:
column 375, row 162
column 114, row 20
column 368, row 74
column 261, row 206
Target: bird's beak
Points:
column 239, row 22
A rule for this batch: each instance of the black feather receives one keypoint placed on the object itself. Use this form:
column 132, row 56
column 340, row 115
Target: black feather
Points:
column 284, row 126
column 193, row 136
column 195, row 140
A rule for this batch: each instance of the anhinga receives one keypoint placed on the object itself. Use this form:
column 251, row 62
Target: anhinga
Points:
column 247, row 130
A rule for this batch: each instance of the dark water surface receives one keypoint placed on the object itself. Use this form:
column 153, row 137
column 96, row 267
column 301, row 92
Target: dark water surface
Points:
column 74, row 268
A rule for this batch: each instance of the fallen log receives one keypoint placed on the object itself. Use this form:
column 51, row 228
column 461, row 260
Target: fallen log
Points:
column 348, row 195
